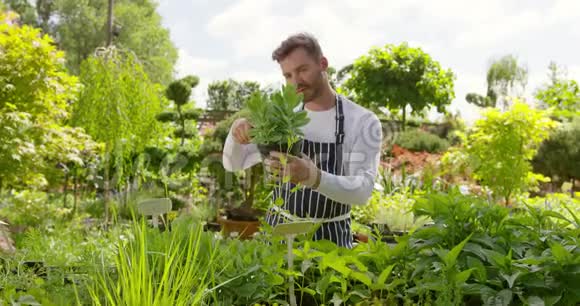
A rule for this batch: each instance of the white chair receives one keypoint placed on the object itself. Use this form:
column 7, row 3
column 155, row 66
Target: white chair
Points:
column 155, row 208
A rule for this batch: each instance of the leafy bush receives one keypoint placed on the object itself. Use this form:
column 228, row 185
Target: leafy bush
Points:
column 420, row 141
column 32, row 209
column 501, row 145
column 559, row 155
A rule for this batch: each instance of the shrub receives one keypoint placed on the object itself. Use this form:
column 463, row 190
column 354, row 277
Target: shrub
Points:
column 418, row 141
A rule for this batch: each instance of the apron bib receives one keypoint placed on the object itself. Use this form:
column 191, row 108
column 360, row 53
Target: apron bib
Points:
column 305, row 204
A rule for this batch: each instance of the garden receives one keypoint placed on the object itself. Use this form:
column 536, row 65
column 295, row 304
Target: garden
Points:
column 113, row 189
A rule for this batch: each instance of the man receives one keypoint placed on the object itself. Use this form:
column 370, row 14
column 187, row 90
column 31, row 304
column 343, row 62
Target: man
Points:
column 341, row 151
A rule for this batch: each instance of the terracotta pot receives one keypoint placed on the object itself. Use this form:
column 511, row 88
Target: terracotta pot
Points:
column 244, row 229
column 361, row 238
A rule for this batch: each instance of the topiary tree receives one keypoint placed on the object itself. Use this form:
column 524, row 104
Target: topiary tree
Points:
column 179, row 92
column 559, row 155
column 501, row 146
column 398, row 77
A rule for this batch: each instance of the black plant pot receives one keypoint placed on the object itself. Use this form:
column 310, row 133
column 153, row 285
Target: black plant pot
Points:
column 265, row 149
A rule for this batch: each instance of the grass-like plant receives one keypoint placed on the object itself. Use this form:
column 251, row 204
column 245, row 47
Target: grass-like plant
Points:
column 152, row 268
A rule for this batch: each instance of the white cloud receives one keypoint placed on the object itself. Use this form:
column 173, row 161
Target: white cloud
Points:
column 188, row 64
column 458, row 33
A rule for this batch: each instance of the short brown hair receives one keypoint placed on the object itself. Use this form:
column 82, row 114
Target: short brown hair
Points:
column 299, row 40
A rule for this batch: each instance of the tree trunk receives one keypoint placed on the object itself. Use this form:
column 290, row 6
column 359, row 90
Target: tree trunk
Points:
column 572, row 188
column 404, row 117
column 65, row 189
column 182, row 121
column 75, row 191
column 106, row 187
column 110, row 24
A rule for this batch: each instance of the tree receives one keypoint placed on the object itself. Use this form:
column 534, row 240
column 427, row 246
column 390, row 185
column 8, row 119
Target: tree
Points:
column 559, row 155
column 398, row 77
column 230, row 95
column 35, row 92
column 117, row 106
column 501, row 146
column 80, row 26
column 503, row 78
column 561, row 94
column 179, row 92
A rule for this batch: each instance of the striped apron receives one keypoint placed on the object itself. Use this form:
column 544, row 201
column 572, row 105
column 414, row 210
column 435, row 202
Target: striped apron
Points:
column 305, row 204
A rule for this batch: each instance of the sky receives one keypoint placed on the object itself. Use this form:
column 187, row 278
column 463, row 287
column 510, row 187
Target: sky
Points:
column 221, row 39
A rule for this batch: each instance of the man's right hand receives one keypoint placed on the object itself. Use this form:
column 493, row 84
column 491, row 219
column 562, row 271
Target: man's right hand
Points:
column 241, row 131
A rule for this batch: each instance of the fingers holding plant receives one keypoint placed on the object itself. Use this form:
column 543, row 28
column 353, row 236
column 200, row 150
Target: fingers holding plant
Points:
column 297, row 170
column 241, row 131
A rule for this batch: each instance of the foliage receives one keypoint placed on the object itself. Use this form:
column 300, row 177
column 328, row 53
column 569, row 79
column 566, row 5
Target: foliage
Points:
column 179, row 92
column 117, row 106
column 35, row 91
column 561, row 203
column 274, row 118
column 561, row 94
column 501, row 146
column 79, row 27
column 230, row 95
column 420, row 141
column 154, row 268
column 400, row 76
column 503, row 77
column 558, row 155
column 32, row 209
column 390, row 210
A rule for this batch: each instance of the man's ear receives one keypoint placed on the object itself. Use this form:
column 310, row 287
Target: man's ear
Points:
column 323, row 63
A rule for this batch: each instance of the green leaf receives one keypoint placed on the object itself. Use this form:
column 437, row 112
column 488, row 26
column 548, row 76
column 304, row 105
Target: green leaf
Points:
column 451, row 258
column 535, row 301
column 503, row 298
column 511, row 279
column 385, row 274
column 308, row 290
column 560, row 253
column 479, row 268
column 361, row 277
column 461, row 277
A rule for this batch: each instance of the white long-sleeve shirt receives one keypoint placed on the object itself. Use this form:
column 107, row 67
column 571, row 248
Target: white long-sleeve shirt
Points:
column 361, row 152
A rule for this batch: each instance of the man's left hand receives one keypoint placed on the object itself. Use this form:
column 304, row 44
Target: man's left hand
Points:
column 297, row 169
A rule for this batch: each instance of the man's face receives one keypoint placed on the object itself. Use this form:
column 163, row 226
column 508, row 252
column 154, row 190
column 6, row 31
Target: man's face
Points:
column 305, row 72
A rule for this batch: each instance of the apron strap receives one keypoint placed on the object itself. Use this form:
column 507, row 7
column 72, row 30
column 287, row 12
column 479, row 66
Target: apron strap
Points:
column 339, row 133
column 339, row 121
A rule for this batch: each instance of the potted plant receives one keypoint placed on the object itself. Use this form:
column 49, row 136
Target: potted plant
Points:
column 276, row 125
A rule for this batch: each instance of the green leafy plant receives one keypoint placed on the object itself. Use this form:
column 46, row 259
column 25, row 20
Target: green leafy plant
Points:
column 274, row 118
column 501, row 146
column 419, row 141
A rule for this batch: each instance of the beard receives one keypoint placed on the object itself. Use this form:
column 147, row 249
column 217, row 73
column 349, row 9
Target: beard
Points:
column 309, row 91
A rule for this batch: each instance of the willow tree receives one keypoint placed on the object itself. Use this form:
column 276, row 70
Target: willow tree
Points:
column 117, row 107
column 505, row 76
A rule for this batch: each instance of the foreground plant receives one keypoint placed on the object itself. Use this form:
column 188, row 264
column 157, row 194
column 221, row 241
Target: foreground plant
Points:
column 153, row 268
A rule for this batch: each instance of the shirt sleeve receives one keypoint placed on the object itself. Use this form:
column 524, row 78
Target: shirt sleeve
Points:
column 237, row 156
column 361, row 163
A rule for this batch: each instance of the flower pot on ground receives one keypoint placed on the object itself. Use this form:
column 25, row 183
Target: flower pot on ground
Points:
column 240, row 229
